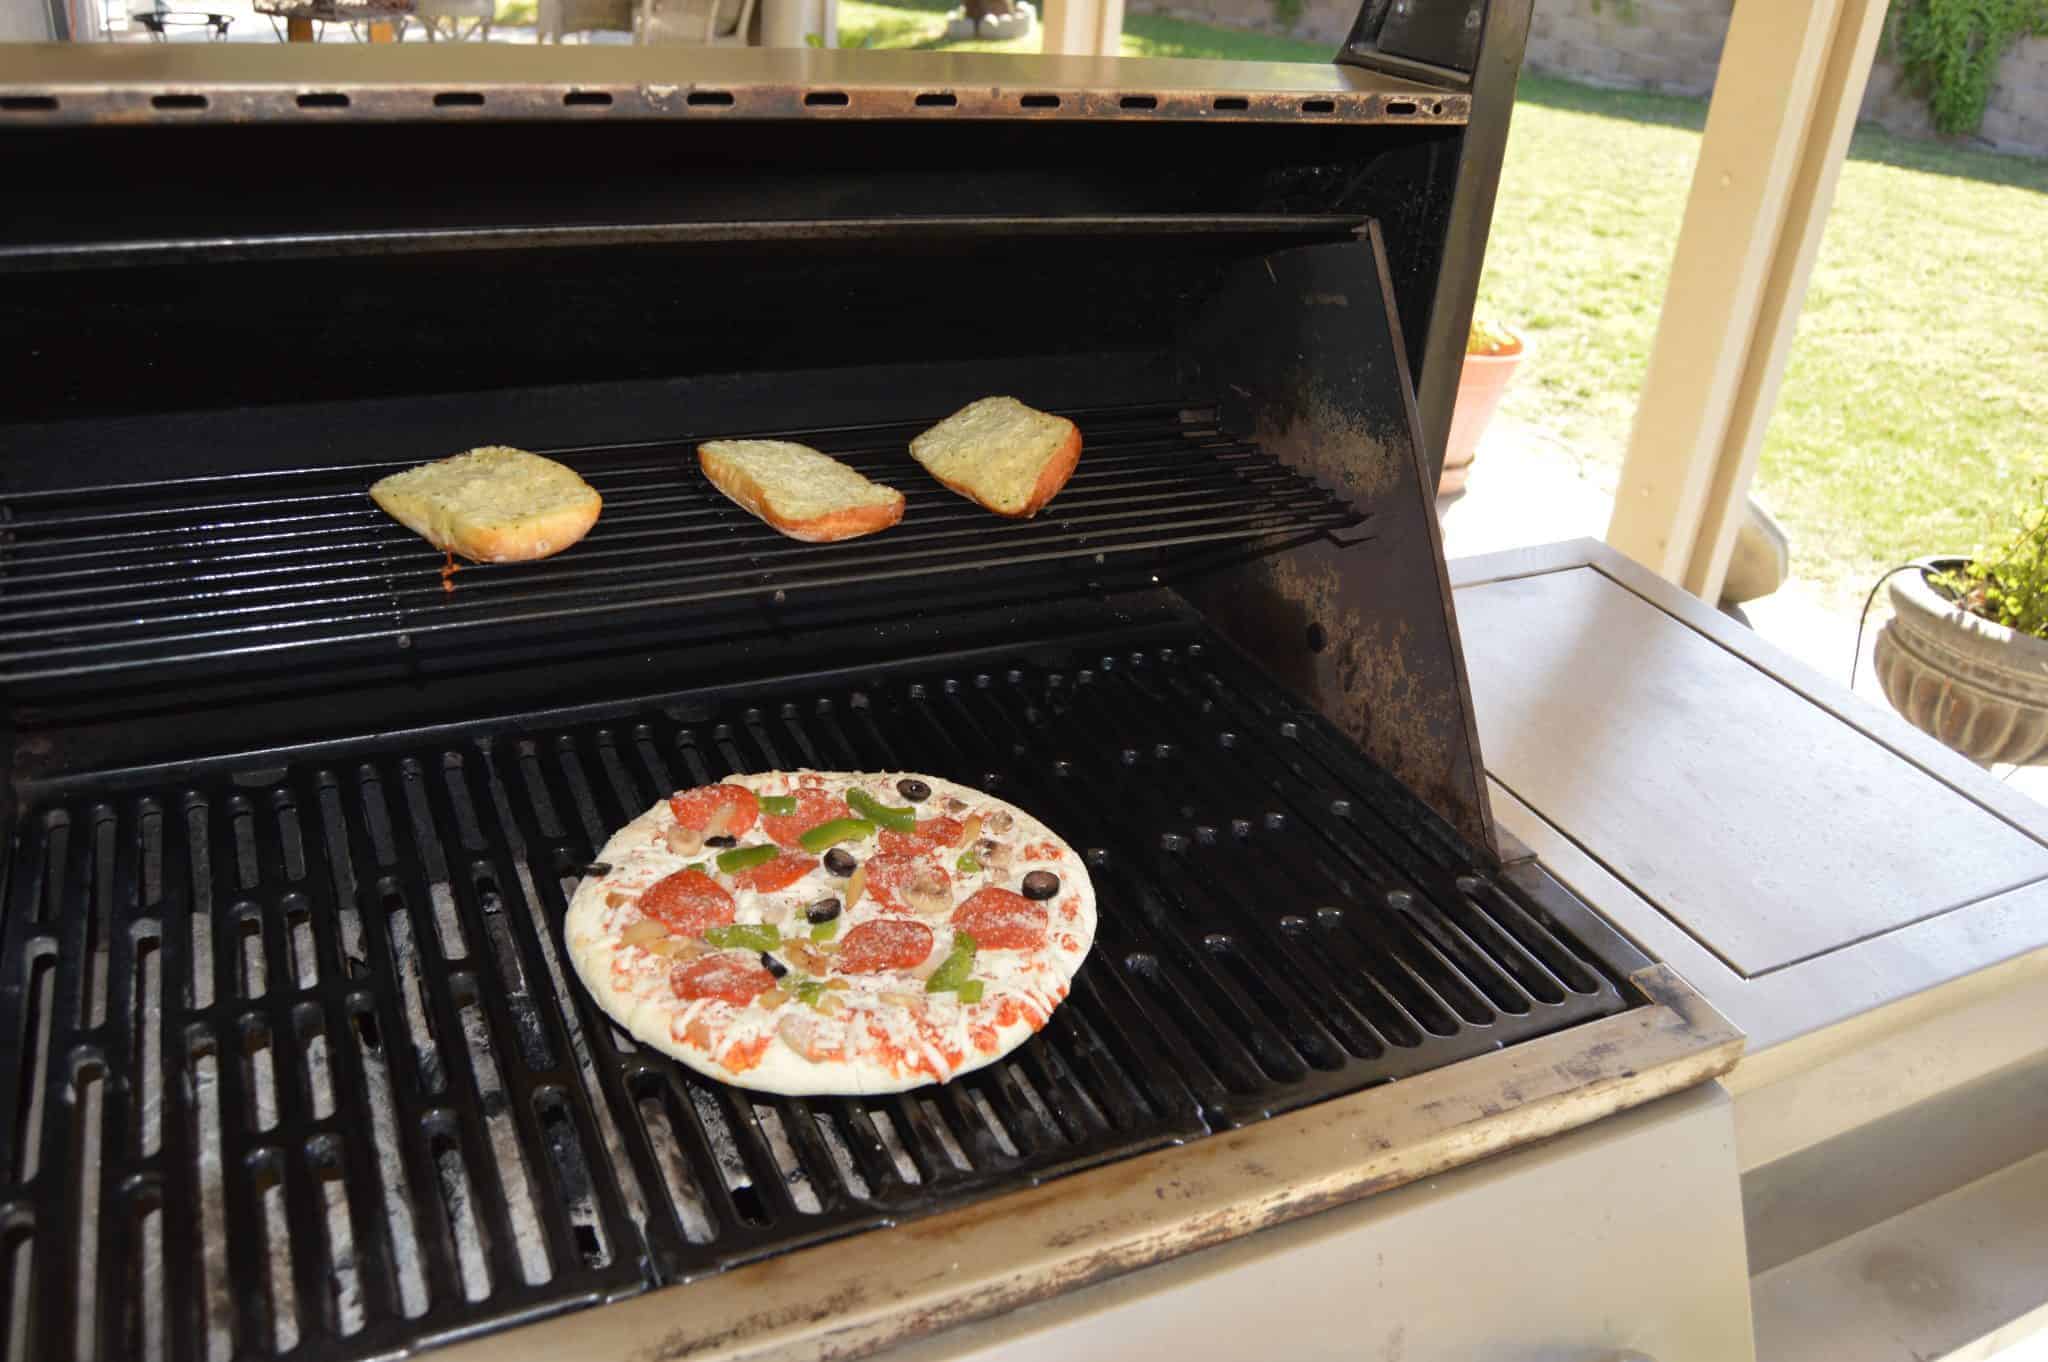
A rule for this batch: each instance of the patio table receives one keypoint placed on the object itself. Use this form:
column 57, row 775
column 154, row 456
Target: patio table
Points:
column 300, row 15
column 158, row 21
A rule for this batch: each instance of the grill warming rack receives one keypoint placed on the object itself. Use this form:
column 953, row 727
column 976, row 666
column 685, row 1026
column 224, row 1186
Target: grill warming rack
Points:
column 145, row 578
column 298, row 1068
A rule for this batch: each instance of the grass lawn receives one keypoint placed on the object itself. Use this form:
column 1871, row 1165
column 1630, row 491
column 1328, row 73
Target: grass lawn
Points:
column 1915, row 405
column 922, row 24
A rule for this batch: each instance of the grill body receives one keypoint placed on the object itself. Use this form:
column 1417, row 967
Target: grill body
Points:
column 292, row 1064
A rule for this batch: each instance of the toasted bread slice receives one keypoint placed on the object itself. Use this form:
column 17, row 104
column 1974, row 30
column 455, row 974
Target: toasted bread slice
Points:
column 805, row 494
column 492, row 505
column 1001, row 453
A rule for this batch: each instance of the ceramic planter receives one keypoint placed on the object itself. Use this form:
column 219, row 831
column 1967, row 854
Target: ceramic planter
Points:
column 1480, row 385
column 1977, row 686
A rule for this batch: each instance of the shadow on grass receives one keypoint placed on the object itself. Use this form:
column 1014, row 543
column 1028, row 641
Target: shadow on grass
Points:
column 1870, row 143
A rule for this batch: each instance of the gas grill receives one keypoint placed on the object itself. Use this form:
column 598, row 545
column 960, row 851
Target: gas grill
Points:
column 293, row 1064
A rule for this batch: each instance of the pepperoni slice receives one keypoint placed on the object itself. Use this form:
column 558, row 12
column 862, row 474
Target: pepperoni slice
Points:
column 729, row 976
column 716, row 810
column 688, row 901
column 999, row 920
column 890, row 873
column 786, row 869
column 885, row 944
column 813, row 806
column 931, row 835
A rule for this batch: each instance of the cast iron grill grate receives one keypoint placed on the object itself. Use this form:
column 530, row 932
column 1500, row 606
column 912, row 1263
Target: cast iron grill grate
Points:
column 153, row 577
column 292, row 1068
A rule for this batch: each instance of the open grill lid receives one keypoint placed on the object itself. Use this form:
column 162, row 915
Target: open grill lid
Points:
column 861, row 239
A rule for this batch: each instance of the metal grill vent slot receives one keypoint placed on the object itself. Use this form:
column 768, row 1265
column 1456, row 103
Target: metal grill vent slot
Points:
column 146, row 1336
column 17, row 1250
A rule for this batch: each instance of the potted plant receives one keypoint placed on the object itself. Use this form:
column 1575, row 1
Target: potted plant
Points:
column 1491, row 354
column 1965, row 654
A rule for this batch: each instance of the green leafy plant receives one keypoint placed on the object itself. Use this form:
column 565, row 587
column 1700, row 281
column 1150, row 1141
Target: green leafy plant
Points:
column 1949, row 51
column 2008, row 584
column 1490, row 336
column 1287, row 13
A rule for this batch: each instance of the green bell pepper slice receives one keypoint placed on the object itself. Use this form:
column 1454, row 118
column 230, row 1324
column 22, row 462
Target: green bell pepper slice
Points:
column 744, row 858
column 745, row 936
column 958, row 964
column 827, row 835
column 898, row 819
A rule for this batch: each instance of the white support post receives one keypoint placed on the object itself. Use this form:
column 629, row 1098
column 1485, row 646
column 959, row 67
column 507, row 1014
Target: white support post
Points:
column 1082, row 28
column 1785, row 101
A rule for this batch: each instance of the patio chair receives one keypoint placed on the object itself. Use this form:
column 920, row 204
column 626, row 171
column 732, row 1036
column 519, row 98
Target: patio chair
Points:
column 557, row 19
column 447, row 19
column 710, row 23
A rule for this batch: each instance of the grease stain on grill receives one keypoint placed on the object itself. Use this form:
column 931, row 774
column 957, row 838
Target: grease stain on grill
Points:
column 452, row 1181
column 685, row 1197
column 40, row 971
column 88, row 1084
column 521, row 1163
column 266, row 1178
column 393, row 1185
column 216, row 1300
column 515, row 1181
column 344, row 1307
column 146, row 1335
column 146, row 1015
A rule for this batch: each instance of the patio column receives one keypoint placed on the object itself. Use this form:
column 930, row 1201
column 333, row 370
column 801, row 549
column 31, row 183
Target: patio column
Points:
column 1086, row 28
column 1785, row 101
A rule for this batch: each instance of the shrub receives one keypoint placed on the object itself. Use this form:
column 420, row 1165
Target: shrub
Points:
column 2009, row 584
column 1949, row 50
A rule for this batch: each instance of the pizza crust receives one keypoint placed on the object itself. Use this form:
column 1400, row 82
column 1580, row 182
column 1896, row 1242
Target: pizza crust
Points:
column 631, row 984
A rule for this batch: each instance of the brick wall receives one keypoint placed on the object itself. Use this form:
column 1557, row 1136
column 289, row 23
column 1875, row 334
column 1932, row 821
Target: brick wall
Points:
column 1670, row 45
column 1675, row 45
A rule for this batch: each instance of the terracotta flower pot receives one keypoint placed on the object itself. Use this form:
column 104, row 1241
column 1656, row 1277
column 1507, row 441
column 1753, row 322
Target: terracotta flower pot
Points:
column 1978, row 687
column 1480, row 384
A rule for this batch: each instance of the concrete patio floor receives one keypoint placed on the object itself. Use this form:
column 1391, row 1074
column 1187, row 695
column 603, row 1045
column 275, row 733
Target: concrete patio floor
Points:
column 1529, row 489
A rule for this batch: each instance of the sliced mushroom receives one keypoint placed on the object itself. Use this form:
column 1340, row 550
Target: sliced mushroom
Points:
column 614, row 899
column 771, row 998
column 998, row 822
column 683, row 841
column 993, row 854
column 805, row 957
column 929, row 892
column 805, row 1034
column 955, row 804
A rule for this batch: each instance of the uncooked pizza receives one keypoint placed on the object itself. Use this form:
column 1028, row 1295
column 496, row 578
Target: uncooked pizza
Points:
column 832, row 932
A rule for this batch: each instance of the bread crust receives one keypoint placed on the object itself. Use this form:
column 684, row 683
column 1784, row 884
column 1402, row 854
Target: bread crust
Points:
column 746, row 492
column 1052, row 475
column 530, row 537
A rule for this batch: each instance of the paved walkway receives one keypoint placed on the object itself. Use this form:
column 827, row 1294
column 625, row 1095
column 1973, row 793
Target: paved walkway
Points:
column 1529, row 489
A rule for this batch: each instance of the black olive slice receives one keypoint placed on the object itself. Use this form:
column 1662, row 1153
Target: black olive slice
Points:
column 721, row 841
column 824, row 910
column 772, row 965
column 1041, row 884
column 914, row 790
column 840, row 861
